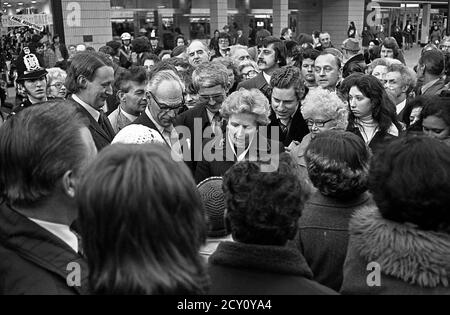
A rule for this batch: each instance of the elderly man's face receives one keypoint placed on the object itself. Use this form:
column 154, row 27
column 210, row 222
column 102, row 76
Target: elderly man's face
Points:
column 241, row 55
column 212, row 97
column 395, row 87
column 165, row 102
column 327, row 72
column 197, row 54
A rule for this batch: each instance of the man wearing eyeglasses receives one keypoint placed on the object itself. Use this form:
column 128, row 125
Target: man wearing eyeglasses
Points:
column 164, row 94
column 211, row 82
column 31, row 80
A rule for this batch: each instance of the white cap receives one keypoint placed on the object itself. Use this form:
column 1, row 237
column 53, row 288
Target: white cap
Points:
column 125, row 36
column 138, row 134
column 81, row 47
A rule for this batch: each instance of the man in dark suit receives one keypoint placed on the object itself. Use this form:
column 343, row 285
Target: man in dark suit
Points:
column 164, row 94
column 89, row 80
column 43, row 151
column 400, row 81
column 430, row 72
column 288, row 90
column 272, row 56
column 211, row 82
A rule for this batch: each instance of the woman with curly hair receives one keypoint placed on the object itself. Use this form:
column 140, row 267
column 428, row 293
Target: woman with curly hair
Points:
column 338, row 166
column 372, row 114
column 247, row 115
column 403, row 240
column 263, row 209
column 390, row 49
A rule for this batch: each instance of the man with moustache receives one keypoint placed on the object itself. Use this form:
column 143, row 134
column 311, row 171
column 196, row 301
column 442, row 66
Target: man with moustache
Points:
column 211, row 82
column 272, row 56
column 130, row 91
column 328, row 71
column 89, row 80
column 31, row 80
column 197, row 53
column 287, row 92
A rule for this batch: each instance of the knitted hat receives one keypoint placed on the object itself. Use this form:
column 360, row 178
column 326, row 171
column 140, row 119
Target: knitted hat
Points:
column 214, row 204
column 138, row 134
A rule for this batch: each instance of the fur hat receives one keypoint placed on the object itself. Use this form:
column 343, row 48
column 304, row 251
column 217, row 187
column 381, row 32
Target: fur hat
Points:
column 214, row 204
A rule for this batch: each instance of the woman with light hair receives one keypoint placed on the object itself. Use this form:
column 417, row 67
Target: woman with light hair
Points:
column 248, row 69
column 247, row 113
column 322, row 110
column 379, row 68
column 233, row 78
column 56, row 78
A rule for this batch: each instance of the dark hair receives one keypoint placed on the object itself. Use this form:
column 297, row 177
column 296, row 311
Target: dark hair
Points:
column 134, row 74
column 284, row 31
column 142, row 223
column 337, row 60
column 141, row 45
column 338, row 164
column 310, row 53
column 178, row 37
column 263, row 207
column 434, row 62
column 37, row 146
column 291, row 46
column 383, row 109
column 300, row 54
column 418, row 101
column 353, row 67
column 149, row 56
column 226, row 36
column 287, row 77
column 279, row 47
column 107, row 50
column 391, row 43
column 410, row 182
column 437, row 106
column 84, row 64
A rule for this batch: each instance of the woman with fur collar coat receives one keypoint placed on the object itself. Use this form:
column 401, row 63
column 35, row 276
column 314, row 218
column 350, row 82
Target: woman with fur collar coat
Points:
column 402, row 245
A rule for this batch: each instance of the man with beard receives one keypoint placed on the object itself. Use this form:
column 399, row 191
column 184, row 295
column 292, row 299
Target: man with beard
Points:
column 211, row 82
column 130, row 90
column 198, row 53
column 271, row 56
column 31, row 80
column 89, row 80
column 400, row 81
column 164, row 93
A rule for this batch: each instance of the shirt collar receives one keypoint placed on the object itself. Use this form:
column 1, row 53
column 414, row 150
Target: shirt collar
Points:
column 61, row 231
column 400, row 106
column 267, row 77
column 128, row 116
column 94, row 113
column 425, row 87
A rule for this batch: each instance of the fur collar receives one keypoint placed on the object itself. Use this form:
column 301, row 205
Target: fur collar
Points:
column 403, row 251
column 265, row 258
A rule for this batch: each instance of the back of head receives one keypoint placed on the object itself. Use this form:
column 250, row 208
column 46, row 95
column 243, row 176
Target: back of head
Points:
column 410, row 182
column 37, row 147
column 263, row 207
column 338, row 164
column 84, row 64
column 141, row 216
column 434, row 62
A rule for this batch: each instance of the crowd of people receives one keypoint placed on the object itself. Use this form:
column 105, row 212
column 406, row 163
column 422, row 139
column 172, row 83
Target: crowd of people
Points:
column 288, row 167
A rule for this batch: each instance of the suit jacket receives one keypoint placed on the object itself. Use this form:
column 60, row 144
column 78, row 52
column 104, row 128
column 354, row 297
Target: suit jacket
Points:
column 34, row 261
column 101, row 137
column 259, row 83
column 297, row 130
column 436, row 88
column 221, row 156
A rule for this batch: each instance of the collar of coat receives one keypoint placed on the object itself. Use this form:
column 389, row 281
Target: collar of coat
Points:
column 265, row 258
column 403, row 251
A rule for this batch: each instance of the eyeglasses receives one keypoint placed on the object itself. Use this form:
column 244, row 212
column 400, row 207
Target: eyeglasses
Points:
column 218, row 98
column 165, row 107
column 318, row 123
column 223, row 41
column 250, row 74
column 58, row 85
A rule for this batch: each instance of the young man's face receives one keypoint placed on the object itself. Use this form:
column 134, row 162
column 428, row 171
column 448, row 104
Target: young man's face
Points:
column 36, row 89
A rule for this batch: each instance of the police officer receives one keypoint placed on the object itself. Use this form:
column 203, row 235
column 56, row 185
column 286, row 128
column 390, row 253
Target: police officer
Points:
column 125, row 51
column 31, row 80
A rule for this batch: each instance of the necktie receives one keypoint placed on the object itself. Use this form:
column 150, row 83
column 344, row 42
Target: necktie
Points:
column 171, row 136
column 102, row 121
column 284, row 129
column 216, row 124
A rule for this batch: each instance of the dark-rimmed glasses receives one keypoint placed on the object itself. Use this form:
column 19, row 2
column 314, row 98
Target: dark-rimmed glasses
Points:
column 165, row 107
column 318, row 123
